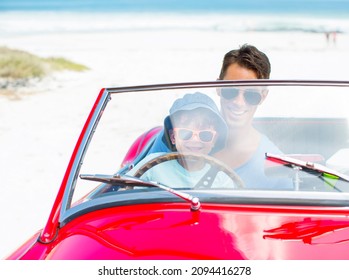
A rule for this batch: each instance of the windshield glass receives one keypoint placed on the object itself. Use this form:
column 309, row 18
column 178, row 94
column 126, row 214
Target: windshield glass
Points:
column 222, row 140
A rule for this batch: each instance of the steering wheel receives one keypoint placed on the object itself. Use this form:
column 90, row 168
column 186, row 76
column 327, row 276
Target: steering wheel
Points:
column 207, row 180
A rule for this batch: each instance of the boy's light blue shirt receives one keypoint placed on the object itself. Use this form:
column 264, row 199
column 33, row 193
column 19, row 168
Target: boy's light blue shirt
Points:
column 252, row 172
column 174, row 175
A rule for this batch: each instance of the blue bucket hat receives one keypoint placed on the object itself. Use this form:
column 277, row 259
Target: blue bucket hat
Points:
column 191, row 101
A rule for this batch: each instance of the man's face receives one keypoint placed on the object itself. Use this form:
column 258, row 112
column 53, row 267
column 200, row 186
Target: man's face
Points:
column 236, row 111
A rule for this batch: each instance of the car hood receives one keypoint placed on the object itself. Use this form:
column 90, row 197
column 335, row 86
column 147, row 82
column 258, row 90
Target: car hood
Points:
column 172, row 231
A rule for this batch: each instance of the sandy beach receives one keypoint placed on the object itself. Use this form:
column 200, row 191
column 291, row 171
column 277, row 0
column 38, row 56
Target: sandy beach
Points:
column 39, row 128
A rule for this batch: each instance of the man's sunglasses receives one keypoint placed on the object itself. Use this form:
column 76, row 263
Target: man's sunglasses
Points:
column 251, row 96
column 185, row 134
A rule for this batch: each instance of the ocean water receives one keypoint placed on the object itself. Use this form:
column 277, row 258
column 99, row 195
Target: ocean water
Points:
column 30, row 16
column 318, row 7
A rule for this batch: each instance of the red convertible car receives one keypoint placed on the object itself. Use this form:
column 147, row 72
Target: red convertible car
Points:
column 285, row 198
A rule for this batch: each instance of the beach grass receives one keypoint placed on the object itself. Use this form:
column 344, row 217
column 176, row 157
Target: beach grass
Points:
column 60, row 63
column 20, row 70
column 18, row 64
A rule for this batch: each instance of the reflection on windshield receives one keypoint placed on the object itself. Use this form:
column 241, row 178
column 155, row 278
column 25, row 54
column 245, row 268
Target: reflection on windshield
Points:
column 308, row 230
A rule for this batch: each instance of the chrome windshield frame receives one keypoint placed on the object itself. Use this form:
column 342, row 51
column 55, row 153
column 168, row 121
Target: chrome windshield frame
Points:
column 92, row 122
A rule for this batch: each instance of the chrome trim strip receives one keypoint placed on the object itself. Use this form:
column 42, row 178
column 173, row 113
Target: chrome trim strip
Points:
column 73, row 176
column 219, row 83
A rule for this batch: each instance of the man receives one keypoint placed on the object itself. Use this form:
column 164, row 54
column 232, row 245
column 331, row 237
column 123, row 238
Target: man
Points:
column 246, row 147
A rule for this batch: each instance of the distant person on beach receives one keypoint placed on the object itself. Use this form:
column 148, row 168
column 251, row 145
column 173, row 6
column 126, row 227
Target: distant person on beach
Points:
column 328, row 36
column 246, row 147
column 194, row 126
column 334, row 37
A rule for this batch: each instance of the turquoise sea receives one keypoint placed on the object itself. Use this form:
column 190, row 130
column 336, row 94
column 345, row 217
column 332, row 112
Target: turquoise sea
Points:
column 219, row 15
column 307, row 7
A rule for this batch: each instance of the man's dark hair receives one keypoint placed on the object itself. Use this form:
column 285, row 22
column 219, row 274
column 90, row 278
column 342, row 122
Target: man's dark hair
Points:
column 249, row 57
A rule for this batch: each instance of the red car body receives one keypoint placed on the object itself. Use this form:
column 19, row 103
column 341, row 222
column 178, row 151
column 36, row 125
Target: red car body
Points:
column 171, row 231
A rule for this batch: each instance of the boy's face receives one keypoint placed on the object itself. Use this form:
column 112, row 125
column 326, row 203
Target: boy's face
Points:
column 193, row 136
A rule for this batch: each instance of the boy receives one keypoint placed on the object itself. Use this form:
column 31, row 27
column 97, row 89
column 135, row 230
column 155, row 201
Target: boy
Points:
column 194, row 126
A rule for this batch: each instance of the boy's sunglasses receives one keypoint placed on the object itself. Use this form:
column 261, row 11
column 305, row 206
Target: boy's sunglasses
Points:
column 185, row 134
column 251, row 96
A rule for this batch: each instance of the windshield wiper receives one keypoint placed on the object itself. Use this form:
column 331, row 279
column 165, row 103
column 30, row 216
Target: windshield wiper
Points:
column 129, row 181
column 309, row 166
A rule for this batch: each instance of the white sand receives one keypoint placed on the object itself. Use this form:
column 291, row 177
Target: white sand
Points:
column 38, row 131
